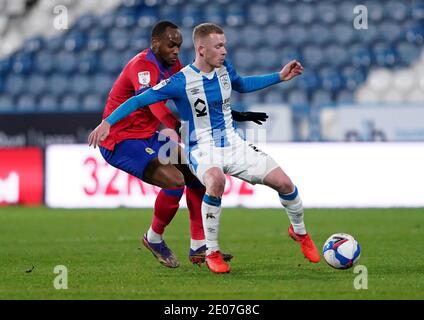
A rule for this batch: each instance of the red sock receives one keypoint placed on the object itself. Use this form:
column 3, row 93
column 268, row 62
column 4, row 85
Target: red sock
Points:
column 194, row 196
column 166, row 206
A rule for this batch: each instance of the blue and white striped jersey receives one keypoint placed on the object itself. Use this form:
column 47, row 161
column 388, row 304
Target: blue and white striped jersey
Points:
column 202, row 100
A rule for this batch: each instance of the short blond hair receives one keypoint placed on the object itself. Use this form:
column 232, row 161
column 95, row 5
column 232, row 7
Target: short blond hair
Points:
column 205, row 29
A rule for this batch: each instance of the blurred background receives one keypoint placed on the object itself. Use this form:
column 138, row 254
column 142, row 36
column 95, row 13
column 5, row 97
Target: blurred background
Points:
column 363, row 82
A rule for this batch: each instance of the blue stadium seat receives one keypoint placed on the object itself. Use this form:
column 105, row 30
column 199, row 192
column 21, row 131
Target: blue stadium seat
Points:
column 110, row 61
column 87, row 62
column 313, row 56
column 254, row 34
column 55, row 44
column 343, row 33
column 384, row 54
column 22, row 63
column 191, row 15
column 102, row 83
column 235, row 15
column 297, row 98
column 44, row 62
column 97, row 40
column 396, row 10
column 304, row 13
column 269, row 59
column 85, row 23
column 320, row 34
column 298, row 35
column 407, row 52
column 375, row 11
column 282, row 13
column 353, row 77
column 345, row 11
column 309, row 81
column 345, row 97
column 326, row 12
column 170, row 13
column 26, row 103
column 75, row 41
column 92, row 103
column 258, row 15
column 36, row 84
column 215, row 14
column 321, row 98
column 274, row 96
column 57, row 84
column 243, row 59
column 147, row 16
column 107, row 21
column 7, row 103
column 274, row 37
column 336, row 55
column 70, row 103
column 48, row 103
column 415, row 34
column 418, row 10
column 5, row 66
column 80, row 84
column 331, row 79
column 65, row 62
column 390, row 31
column 33, row 45
column 118, row 39
column 15, row 84
column 361, row 56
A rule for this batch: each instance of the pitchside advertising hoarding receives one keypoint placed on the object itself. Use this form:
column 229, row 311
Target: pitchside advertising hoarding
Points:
column 327, row 175
column 21, row 176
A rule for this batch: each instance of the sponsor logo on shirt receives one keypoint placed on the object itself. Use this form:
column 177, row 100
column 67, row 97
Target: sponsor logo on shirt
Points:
column 161, row 84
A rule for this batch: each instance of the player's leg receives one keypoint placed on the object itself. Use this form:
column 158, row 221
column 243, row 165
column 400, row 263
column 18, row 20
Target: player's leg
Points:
column 290, row 199
column 258, row 167
column 140, row 159
column 195, row 192
column 214, row 181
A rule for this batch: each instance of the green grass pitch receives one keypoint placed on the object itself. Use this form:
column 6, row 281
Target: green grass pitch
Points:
column 104, row 259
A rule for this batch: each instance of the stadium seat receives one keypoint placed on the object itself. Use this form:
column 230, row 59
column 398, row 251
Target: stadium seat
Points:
column 26, row 103
column 321, row 98
column 396, row 10
column 15, row 84
column 353, row 77
column 48, row 103
column 326, row 12
column 36, row 84
column 93, row 102
column 44, row 62
column 70, row 103
column 6, row 103
column 235, row 15
column 57, row 84
column 80, row 84
column 304, row 13
column 258, row 15
column 65, row 62
column 407, row 52
column 309, row 81
column 385, row 56
column 214, row 13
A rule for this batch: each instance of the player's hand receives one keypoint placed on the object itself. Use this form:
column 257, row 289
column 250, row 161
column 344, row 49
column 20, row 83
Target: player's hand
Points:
column 291, row 70
column 99, row 134
column 256, row 117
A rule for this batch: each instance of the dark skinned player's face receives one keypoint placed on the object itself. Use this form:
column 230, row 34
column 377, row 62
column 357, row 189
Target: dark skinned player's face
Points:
column 167, row 47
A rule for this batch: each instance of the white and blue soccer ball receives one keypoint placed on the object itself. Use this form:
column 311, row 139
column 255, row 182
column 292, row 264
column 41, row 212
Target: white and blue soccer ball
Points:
column 341, row 251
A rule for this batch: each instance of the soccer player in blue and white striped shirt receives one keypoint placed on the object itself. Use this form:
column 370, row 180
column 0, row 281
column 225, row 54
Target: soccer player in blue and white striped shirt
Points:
column 201, row 92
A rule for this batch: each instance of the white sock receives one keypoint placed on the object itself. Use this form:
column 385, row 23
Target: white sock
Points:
column 196, row 244
column 211, row 213
column 153, row 237
column 294, row 208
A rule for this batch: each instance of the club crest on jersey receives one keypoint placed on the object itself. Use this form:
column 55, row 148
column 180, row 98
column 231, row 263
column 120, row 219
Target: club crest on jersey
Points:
column 161, row 84
column 225, row 81
column 144, row 78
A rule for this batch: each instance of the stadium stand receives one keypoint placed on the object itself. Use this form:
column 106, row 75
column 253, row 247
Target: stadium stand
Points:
column 53, row 72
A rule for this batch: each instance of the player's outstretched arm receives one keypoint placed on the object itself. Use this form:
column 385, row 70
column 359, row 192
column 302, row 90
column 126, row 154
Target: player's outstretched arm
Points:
column 142, row 100
column 255, row 83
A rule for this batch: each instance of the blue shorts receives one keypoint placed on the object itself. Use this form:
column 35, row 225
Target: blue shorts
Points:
column 133, row 156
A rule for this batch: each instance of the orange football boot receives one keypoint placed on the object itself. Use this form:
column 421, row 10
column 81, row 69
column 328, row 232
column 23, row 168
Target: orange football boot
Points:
column 216, row 263
column 306, row 245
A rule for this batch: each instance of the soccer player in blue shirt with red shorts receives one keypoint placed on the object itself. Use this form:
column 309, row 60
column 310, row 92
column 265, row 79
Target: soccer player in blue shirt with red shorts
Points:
column 133, row 143
column 201, row 91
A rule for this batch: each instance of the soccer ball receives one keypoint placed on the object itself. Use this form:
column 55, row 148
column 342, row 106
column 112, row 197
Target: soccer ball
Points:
column 341, row 251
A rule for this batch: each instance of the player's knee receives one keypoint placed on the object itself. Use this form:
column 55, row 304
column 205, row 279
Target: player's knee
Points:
column 215, row 182
column 284, row 186
column 178, row 181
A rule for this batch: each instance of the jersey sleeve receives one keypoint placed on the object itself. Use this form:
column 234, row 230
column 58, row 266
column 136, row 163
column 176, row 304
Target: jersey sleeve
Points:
column 251, row 83
column 166, row 89
column 142, row 75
